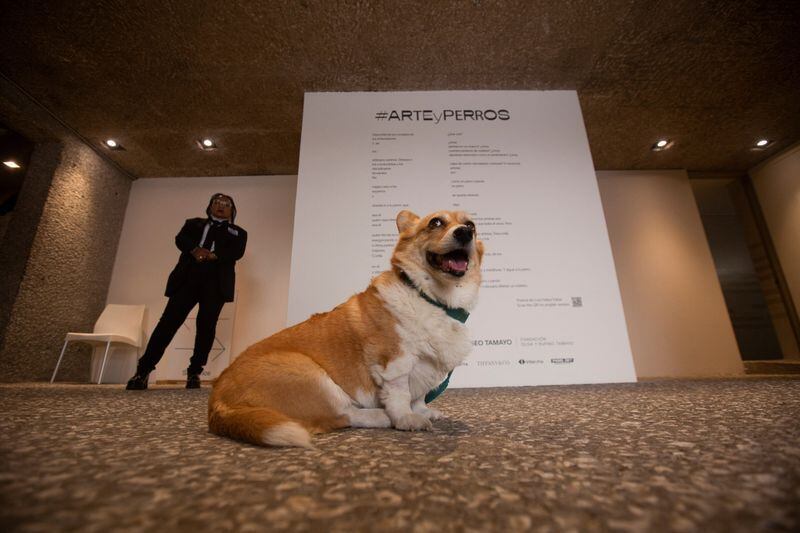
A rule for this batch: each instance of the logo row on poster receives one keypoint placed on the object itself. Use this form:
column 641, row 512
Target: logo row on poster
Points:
column 566, row 360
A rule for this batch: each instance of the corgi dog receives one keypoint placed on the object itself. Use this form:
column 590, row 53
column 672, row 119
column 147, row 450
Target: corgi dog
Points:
column 369, row 362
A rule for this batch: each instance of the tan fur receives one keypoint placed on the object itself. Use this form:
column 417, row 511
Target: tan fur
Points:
column 277, row 380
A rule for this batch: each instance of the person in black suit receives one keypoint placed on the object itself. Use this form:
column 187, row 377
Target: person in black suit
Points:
column 204, row 275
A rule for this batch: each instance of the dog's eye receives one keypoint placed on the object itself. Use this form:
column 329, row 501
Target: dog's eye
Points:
column 470, row 225
column 436, row 222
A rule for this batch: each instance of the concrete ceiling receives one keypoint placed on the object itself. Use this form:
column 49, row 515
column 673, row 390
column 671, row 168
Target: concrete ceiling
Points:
column 157, row 75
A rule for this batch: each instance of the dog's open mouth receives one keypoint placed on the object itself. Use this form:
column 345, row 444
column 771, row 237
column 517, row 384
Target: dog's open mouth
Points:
column 455, row 262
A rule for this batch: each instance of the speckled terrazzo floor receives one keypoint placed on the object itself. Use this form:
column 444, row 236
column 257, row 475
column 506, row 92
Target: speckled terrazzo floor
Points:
column 711, row 455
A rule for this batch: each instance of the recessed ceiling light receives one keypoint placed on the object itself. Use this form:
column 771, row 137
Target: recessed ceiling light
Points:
column 662, row 144
column 207, row 144
column 762, row 144
column 113, row 144
column 11, row 164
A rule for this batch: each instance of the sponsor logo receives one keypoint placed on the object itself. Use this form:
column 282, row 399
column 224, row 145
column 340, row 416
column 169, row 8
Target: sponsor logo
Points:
column 531, row 361
column 562, row 360
column 429, row 115
column 493, row 363
column 492, row 342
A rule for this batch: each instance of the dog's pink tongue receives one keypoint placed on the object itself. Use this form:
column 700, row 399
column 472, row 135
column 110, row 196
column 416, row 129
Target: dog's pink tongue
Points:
column 457, row 265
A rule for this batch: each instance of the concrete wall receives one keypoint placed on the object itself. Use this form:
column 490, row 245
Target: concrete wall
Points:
column 59, row 247
column 677, row 320
column 23, row 222
column 777, row 185
column 68, row 269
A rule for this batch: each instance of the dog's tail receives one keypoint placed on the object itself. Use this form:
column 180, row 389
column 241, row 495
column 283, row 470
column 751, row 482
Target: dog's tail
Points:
column 257, row 425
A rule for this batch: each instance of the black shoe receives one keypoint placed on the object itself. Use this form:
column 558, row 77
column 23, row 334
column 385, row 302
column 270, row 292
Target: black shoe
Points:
column 192, row 381
column 138, row 382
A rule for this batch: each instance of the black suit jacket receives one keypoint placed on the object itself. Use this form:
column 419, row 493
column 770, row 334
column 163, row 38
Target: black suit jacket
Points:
column 228, row 247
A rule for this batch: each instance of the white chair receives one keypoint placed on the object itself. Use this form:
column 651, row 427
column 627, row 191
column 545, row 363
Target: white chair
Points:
column 118, row 324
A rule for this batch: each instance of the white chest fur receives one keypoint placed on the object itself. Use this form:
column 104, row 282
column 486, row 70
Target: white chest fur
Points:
column 434, row 342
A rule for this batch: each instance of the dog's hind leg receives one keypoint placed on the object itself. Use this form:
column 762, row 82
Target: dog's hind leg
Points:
column 276, row 399
column 368, row 418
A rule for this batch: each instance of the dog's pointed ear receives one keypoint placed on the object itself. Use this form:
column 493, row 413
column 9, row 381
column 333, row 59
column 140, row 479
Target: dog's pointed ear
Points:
column 405, row 220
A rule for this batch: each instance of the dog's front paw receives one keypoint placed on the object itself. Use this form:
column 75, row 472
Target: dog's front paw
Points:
column 413, row 422
column 429, row 413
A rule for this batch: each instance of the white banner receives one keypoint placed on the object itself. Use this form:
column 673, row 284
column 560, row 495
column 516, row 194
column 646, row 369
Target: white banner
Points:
column 518, row 161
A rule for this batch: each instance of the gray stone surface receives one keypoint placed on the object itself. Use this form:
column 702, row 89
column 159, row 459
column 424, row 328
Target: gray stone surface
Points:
column 710, row 455
column 21, row 232
column 68, row 269
column 59, row 248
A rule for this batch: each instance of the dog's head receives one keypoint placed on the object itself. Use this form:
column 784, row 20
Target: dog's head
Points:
column 441, row 254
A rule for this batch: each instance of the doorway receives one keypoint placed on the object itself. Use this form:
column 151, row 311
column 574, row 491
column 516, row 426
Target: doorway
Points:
column 15, row 153
column 749, row 279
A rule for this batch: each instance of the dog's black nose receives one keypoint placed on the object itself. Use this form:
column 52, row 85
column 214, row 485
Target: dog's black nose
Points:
column 463, row 234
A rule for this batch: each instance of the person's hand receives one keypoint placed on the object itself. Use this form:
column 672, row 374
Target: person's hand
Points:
column 211, row 256
column 200, row 254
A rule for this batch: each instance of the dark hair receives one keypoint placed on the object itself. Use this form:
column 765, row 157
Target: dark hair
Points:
column 220, row 195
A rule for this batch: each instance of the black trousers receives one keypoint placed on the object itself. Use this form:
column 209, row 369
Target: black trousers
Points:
column 201, row 287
